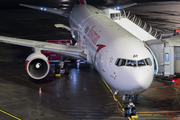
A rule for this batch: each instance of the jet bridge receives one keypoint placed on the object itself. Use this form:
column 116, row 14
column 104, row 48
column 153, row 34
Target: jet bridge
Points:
column 168, row 55
column 166, row 51
column 133, row 24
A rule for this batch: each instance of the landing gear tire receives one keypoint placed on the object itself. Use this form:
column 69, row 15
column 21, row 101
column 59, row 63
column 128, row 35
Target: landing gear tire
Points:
column 126, row 112
column 57, row 69
column 133, row 111
column 66, row 69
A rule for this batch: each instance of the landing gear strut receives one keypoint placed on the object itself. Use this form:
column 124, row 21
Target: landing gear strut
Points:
column 62, row 67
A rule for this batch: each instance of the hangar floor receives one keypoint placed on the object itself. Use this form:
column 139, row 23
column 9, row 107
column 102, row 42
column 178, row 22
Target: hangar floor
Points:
column 80, row 95
column 77, row 96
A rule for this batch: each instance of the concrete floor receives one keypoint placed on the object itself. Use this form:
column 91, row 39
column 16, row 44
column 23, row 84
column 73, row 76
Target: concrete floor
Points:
column 80, row 95
column 77, row 96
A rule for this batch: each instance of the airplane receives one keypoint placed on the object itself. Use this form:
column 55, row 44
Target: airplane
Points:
column 123, row 61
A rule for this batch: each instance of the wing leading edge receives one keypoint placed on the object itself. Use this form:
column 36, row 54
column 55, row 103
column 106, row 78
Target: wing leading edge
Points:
column 71, row 51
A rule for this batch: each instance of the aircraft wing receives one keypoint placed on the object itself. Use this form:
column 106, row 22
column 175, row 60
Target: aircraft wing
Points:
column 72, row 51
column 61, row 12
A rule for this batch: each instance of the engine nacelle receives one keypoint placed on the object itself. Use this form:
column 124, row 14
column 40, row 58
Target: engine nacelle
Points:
column 37, row 66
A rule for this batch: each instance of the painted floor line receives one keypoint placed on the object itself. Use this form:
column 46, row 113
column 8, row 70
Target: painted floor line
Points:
column 159, row 105
column 10, row 115
column 129, row 118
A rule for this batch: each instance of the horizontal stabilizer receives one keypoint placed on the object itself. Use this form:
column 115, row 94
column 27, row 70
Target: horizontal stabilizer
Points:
column 63, row 26
column 56, row 11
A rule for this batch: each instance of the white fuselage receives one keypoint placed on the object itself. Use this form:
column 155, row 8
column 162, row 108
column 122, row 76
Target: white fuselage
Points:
column 119, row 57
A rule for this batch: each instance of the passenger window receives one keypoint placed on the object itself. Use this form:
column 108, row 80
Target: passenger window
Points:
column 122, row 62
column 131, row 63
column 141, row 63
column 148, row 61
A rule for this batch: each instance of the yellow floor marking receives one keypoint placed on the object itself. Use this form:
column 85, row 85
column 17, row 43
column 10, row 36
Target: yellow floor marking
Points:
column 115, row 97
column 147, row 114
column 10, row 115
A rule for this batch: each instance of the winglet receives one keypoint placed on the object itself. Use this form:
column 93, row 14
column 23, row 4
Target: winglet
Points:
column 81, row 2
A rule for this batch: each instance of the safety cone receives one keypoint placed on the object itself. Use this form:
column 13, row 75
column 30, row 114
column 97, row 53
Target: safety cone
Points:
column 40, row 92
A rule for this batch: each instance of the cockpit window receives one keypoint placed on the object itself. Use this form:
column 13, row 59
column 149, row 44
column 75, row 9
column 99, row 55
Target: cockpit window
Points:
column 141, row 63
column 117, row 61
column 131, row 63
column 122, row 62
column 148, row 61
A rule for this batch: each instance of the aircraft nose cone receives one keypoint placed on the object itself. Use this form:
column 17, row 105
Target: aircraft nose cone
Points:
column 132, row 80
column 139, row 80
column 143, row 78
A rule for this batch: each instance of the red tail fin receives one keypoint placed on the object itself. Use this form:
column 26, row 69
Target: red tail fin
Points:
column 82, row 2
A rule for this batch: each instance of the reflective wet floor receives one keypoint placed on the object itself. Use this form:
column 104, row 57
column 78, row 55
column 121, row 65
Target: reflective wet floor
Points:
column 80, row 95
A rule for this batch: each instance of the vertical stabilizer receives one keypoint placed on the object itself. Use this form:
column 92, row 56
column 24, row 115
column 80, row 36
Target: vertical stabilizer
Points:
column 82, row 2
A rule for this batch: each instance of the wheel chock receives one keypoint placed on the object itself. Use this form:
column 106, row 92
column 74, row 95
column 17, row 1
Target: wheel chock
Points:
column 134, row 116
column 57, row 75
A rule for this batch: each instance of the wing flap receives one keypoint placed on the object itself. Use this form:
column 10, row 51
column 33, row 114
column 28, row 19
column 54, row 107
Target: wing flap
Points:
column 71, row 51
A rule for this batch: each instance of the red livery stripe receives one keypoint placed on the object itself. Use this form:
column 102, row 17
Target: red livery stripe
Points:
column 27, row 61
column 82, row 2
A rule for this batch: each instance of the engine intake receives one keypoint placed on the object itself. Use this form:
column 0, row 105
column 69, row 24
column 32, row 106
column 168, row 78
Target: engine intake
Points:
column 37, row 66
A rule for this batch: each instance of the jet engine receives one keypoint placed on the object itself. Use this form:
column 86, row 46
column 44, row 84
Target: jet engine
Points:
column 37, row 66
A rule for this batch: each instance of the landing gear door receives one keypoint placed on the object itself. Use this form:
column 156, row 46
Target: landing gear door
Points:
column 168, row 60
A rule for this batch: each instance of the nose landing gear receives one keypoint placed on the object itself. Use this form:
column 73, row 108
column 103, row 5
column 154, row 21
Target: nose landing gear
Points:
column 130, row 110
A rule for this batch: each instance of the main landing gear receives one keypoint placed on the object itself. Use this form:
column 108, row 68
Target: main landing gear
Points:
column 62, row 67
